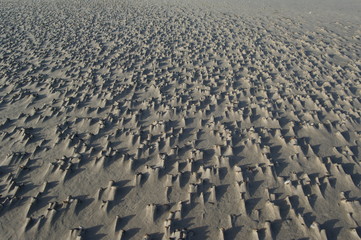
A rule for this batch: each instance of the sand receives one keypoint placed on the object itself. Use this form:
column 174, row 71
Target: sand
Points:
column 170, row 119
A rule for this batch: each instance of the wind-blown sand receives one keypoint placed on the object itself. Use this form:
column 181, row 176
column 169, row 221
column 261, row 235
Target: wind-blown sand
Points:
column 170, row 119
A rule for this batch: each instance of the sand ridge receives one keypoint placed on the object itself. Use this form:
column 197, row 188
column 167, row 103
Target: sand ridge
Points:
column 177, row 120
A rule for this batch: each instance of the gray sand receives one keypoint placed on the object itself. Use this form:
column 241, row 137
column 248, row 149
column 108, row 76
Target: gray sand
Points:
column 169, row 119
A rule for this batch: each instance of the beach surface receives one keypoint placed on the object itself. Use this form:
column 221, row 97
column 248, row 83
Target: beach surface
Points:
column 170, row 119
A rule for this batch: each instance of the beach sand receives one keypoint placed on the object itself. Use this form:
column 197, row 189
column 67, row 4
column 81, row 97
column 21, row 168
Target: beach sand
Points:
column 169, row 119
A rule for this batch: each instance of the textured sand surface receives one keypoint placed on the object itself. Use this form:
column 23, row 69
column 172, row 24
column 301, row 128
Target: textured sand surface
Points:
column 169, row 119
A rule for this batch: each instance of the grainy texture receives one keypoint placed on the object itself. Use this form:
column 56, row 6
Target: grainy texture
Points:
column 180, row 119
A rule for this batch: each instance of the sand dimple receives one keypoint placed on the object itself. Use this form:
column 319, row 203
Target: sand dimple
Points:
column 178, row 120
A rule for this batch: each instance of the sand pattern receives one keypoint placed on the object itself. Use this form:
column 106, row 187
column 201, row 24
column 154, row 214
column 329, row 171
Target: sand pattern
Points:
column 177, row 120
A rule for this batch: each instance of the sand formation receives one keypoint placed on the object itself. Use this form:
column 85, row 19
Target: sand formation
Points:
column 174, row 120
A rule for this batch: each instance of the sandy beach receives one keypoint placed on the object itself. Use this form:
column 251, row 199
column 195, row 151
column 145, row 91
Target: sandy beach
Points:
column 170, row 119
